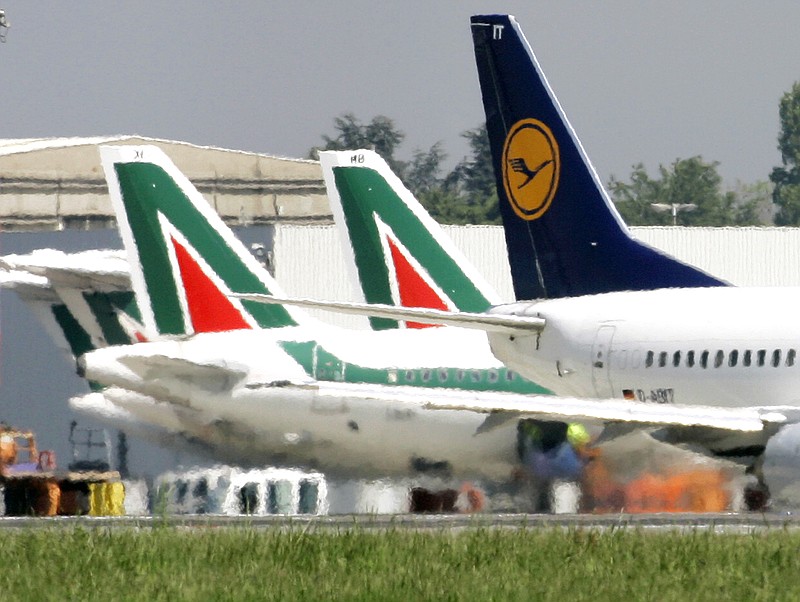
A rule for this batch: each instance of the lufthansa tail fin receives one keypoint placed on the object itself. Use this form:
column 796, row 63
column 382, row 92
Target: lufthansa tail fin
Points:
column 396, row 251
column 185, row 262
column 563, row 234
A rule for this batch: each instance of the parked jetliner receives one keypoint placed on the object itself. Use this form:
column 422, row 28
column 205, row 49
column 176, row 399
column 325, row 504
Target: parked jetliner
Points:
column 610, row 317
column 85, row 299
column 642, row 325
column 380, row 219
column 299, row 392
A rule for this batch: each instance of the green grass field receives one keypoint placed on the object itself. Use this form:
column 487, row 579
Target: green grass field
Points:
column 166, row 563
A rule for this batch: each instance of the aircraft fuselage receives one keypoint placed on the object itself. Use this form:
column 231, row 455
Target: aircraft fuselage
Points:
column 255, row 386
column 731, row 347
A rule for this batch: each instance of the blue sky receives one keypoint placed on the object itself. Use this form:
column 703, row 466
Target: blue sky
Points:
column 641, row 81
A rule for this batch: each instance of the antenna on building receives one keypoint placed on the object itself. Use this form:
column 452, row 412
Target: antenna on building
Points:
column 4, row 25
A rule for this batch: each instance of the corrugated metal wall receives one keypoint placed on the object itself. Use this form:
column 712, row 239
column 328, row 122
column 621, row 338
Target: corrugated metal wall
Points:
column 309, row 260
column 742, row 256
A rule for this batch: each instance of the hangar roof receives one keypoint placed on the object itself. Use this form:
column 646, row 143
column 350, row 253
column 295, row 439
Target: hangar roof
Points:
column 57, row 182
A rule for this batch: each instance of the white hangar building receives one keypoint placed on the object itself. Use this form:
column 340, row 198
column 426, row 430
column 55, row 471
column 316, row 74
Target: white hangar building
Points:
column 743, row 256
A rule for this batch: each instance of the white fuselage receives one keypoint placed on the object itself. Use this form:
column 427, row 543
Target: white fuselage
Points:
column 731, row 347
column 255, row 397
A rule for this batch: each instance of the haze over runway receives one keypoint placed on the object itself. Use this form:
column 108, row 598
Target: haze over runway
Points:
column 642, row 82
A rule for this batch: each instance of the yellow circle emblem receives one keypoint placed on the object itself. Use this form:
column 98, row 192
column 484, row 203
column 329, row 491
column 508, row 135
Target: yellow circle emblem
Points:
column 531, row 166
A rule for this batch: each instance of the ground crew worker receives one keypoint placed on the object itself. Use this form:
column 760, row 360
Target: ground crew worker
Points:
column 550, row 451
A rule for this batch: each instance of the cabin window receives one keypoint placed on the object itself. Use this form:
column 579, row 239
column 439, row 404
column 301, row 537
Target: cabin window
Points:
column 690, row 359
column 443, row 375
column 790, row 357
column 476, row 376
column 426, row 375
column 733, row 358
column 747, row 360
column 460, row 375
column 704, row 359
column 676, row 359
column 509, row 375
column 761, row 356
column 776, row 358
column 410, row 376
column 648, row 362
column 662, row 359
column 493, row 375
column 718, row 358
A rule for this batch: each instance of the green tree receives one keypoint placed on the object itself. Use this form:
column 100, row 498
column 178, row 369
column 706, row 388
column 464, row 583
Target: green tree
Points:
column 754, row 203
column 786, row 179
column 466, row 195
column 380, row 135
column 475, row 173
column 687, row 181
column 472, row 182
column 423, row 172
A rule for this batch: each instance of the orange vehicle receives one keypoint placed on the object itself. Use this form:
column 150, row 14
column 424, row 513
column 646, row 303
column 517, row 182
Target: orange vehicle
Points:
column 33, row 485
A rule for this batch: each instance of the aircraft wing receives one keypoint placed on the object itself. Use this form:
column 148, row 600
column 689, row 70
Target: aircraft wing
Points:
column 567, row 408
column 99, row 270
column 27, row 285
column 509, row 324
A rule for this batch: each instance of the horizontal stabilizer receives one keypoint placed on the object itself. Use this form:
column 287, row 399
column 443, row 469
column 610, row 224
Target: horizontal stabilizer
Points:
column 210, row 377
column 27, row 284
column 477, row 321
column 98, row 270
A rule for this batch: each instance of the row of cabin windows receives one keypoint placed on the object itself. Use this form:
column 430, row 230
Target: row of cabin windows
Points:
column 704, row 359
column 475, row 376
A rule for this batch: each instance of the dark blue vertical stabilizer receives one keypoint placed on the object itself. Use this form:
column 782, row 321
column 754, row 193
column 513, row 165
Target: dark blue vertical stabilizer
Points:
column 564, row 236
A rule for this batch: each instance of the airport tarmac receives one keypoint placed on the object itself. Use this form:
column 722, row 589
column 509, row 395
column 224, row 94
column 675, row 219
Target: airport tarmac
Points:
column 722, row 522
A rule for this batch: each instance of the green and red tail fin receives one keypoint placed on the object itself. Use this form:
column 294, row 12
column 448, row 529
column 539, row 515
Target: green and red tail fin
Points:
column 68, row 301
column 184, row 260
column 395, row 250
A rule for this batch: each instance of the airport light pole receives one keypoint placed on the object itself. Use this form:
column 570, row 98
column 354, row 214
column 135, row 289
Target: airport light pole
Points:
column 675, row 208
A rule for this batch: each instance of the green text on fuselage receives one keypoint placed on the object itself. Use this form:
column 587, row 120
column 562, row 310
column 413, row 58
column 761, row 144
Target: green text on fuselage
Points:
column 324, row 366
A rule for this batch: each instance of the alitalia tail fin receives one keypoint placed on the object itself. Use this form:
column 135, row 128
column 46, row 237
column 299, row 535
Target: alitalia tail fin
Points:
column 81, row 307
column 184, row 260
column 564, row 236
column 396, row 251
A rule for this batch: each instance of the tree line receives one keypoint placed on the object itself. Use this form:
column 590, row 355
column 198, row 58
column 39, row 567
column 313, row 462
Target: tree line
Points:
column 687, row 192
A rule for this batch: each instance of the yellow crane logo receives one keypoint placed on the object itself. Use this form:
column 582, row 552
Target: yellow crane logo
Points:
column 531, row 168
